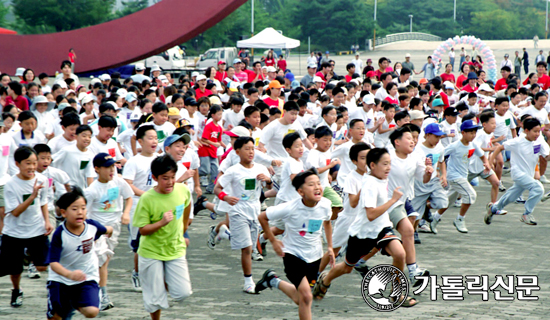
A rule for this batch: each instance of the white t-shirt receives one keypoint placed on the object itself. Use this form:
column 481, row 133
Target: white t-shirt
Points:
column 459, row 160
column 56, row 177
column 245, row 186
column 436, row 154
column 373, row 194
column 287, row 192
column 525, row 155
column 318, row 159
column 163, row 132
column 125, row 141
column 352, row 185
column 504, row 125
column 402, row 174
column 58, row 143
column 77, row 164
column 449, row 129
column 382, row 140
column 76, row 252
column 541, row 115
column 110, row 148
column 138, row 169
column 30, row 223
column 7, row 149
column 367, row 117
column 105, row 200
column 483, row 140
column 191, row 161
column 346, row 166
column 36, row 138
column 45, row 121
column 229, row 117
column 303, row 227
column 273, row 134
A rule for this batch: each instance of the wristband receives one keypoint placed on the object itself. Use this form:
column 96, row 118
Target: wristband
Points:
column 222, row 195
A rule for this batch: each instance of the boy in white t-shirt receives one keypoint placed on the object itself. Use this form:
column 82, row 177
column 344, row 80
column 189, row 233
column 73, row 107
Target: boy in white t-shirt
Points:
column 384, row 129
column 69, row 123
column 102, row 142
column 137, row 173
column 7, row 165
column 233, row 116
column 245, row 180
column 372, row 228
column 26, row 223
column 449, row 127
column 160, row 120
column 505, row 130
column 109, row 203
column 526, row 150
column 301, row 247
column 76, row 160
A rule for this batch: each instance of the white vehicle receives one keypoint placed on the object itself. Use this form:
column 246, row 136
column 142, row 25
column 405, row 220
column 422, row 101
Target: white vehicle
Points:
column 171, row 59
column 211, row 57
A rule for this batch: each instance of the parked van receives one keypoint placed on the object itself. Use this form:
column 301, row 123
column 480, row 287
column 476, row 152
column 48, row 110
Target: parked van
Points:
column 171, row 59
column 211, row 57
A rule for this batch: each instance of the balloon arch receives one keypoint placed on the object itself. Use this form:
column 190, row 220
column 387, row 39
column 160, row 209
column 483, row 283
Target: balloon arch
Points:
column 477, row 44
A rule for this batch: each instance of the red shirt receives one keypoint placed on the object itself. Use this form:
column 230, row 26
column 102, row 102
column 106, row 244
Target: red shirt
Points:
column 348, row 78
column 543, row 82
column 501, row 84
column 242, row 76
column 469, row 89
column 212, row 132
column 460, row 80
column 269, row 62
column 391, row 100
column 252, row 76
column 273, row 103
column 201, row 94
column 20, row 102
column 281, row 64
column 379, row 73
column 71, row 57
column 448, row 77
column 220, row 76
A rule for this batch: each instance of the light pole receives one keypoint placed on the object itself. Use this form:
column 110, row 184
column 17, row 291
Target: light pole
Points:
column 546, row 19
column 252, row 26
column 454, row 14
column 411, row 16
column 374, row 38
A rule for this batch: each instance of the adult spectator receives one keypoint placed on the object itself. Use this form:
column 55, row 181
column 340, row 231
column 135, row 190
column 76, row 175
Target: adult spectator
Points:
column 15, row 96
column 72, row 58
column 506, row 62
column 452, row 58
column 517, row 64
column 408, row 63
column 472, row 85
column 239, row 73
column 270, row 60
column 428, row 69
column 403, row 79
column 539, row 57
column 221, row 74
column 462, row 56
column 256, row 73
column 66, row 73
column 308, row 78
column 358, row 63
column 447, row 75
column 140, row 73
column 312, row 59
column 525, row 61
column 325, row 58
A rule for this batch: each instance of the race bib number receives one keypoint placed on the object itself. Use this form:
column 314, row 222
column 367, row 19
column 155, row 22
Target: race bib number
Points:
column 5, row 150
column 179, row 211
column 112, row 194
column 112, row 152
column 314, row 225
column 507, row 121
column 83, row 164
column 250, row 184
column 536, row 148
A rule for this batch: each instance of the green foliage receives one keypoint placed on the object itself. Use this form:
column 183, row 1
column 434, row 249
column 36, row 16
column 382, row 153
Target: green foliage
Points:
column 3, row 12
column 61, row 15
column 130, row 7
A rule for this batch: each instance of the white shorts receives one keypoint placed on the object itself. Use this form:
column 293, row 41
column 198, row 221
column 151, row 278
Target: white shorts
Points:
column 432, row 191
column 463, row 187
column 340, row 232
column 244, row 232
column 157, row 276
column 105, row 246
column 133, row 230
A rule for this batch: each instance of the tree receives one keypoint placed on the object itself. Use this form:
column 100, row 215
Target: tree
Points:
column 131, row 6
column 63, row 15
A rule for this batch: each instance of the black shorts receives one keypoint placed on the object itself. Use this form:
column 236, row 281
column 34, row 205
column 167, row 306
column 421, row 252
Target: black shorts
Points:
column 296, row 269
column 358, row 248
column 134, row 244
column 409, row 208
column 64, row 299
column 12, row 253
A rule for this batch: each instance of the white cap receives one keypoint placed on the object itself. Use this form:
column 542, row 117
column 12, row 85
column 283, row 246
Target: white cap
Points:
column 201, row 77
column 312, row 65
column 104, row 77
column 485, row 87
column 135, row 116
column 194, row 74
column 19, row 72
column 163, row 79
column 140, row 67
column 408, row 55
column 114, row 105
column 86, row 99
column 317, row 79
column 81, row 96
column 168, row 100
column 369, row 99
column 68, row 92
column 264, row 67
column 94, row 81
column 448, row 85
column 62, row 84
column 271, row 69
column 131, row 97
column 417, row 114
column 155, row 67
column 122, row 92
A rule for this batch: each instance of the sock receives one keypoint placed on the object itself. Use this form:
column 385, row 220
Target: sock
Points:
column 274, row 283
column 103, row 291
column 412, row 267
column 437, row 216
column 134, row 273
column 224, row 233
column 262, row 239
column 248, row 280
column 459, row 217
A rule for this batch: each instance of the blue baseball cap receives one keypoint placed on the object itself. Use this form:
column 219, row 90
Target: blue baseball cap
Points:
column 434, row 129
column 469, row 125
column 176, row 137
column 103, row 160
column 289, row 76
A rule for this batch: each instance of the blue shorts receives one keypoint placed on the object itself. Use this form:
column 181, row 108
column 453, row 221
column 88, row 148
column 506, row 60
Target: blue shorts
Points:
column 64, row 299
column 12, row 253
column 409, row 208
column 186, row 235
column 336, row 168
column 135, row 243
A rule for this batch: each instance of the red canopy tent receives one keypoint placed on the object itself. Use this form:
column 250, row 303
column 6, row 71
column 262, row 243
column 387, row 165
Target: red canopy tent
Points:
column 7, row 31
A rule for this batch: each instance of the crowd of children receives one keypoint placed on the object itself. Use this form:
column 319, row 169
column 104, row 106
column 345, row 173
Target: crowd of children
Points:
column 346, row 163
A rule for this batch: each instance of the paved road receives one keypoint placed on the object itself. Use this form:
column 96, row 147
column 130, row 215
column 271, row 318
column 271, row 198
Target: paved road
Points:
column 505, row 247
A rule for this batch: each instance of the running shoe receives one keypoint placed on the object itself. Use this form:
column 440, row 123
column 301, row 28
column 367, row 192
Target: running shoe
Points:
column 105, row 303
column 544, row 197
column 211, row 237
column 488, row 218
column 223, row 229
column 32, row 272
column 362, row 268
column 520, row 200
column 506, row 170
column 256, row 256
column 136, row 283
column 424, row 227
column 265, row 281
column 544, row 180
column 199, row 204
column 501, row 187
column 419, row 272
column 16, row 298
column 261, row 246
column 204, row 181
column 433, row 225
column 213, row 215
column 250, row 289
column 460, row 225
column 528, row 219
column 458, row 203
column 417, row 238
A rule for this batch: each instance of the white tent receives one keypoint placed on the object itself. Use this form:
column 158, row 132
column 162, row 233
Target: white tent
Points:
column 269, row 38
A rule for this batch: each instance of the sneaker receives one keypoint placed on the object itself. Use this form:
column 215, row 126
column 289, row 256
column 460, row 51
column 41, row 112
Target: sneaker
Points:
column 488, row 218
column 544, row 180
column 223, row 229
column 460, row 225
column 419, row 272
column 211, row 242
column 256, row 256
column 501, row 187
column 250, row 289
column 433, row 225
column 32, row 272
column 199, row 205
column 204, row 181
column 16, row 298
column 506, row 170
column 213, row 215
column 136, row 283
column 361, row 268
column 263, row 207
column 544, row 197
column 261, row 246
column 417, row 238
column 424, row 227
column 528, row 219
column 458, row 203
column 265, row 281
column 428, row 216
column 520, row 200
column 105, row 303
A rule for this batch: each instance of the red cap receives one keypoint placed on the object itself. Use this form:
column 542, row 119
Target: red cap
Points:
column 221, row 62
column 371, row 74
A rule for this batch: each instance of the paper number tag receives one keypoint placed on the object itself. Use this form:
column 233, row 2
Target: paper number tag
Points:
column 536, row 149
column 83, row 164
column 314, row 225
column 507, row 121
column 5, row 150
column 328, row 161
column 250, row 184
column 179, row 211
column 391, row 125
column 50, row 182
column 112, row 152
column 25, row 197
column 186, row 165
column 112, row 194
